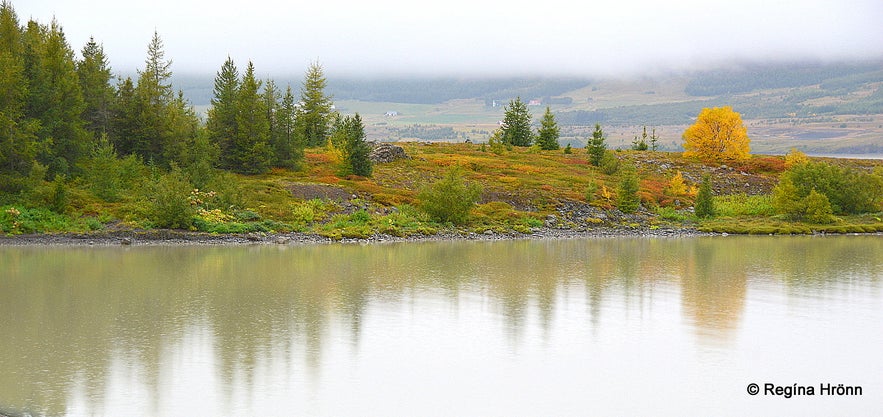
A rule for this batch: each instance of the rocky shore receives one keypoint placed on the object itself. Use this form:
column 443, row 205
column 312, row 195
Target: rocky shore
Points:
column 183, row 237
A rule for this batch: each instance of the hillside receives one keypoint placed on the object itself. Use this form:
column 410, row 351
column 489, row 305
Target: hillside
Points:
column 817, row 108
column 522, row 192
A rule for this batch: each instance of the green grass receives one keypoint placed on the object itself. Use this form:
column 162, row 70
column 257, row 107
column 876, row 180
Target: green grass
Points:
column 776, row 226
column 743, row 205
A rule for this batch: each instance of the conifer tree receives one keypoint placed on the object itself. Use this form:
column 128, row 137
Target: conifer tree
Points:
column 95, row 75
column 152, row 97
column 124, row 118
column 18, row 147
column 162, row 123
column 55, row 98
column 221, row 120
column 348, row 136
column 181, row 128
column 516, row 124
column 251, row 152
column 704, row 206
column 314, row 116
column 627, row 199
column 596, row 146
column 359, row 150
column 547, row 136
column 287, row 149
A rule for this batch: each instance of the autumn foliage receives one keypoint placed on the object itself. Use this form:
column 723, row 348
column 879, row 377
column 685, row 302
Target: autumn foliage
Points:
column 717, row 135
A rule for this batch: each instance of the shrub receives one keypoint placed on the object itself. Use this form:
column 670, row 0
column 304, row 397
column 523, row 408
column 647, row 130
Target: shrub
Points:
column 818, row 208
column 495, row 142
column 849, row 191
column 795, row 157
column 677, row 186
column 169, row 204
column 591, row 189
column 609, row 163
column 449, row 199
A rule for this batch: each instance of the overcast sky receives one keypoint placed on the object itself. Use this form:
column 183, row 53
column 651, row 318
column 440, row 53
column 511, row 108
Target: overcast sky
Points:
column 469, row 37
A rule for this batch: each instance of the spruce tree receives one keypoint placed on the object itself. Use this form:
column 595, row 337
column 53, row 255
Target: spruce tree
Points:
column 596, row 146
column 547, row 136
column 348, row 136
column 124, row 118
column 152, row 97
column 55, row 98
column 359, row 150
column 287, row 149
column 18, row 147
column 221, row 120
column 251, row 151
column 516, row 124
column 98, row 94
column 314, row 116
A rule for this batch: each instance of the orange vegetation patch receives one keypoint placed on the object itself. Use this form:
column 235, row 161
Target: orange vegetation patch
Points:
column 770, row 164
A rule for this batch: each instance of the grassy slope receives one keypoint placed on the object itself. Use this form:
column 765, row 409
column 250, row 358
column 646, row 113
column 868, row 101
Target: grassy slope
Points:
column 522, row 189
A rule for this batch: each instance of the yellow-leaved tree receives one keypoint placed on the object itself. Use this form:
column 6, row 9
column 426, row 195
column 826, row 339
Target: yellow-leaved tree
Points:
column 717, row 135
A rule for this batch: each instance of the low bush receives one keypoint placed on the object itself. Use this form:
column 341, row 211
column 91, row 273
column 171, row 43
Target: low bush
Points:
column 449, row 199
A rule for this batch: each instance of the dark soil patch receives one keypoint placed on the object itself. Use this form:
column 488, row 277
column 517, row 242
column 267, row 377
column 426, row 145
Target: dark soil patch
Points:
column 319, row 191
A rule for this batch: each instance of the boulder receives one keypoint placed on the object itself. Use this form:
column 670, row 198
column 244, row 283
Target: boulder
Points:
column 387, row 152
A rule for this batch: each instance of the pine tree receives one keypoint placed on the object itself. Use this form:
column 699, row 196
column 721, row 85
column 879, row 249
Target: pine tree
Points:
column 315, row 113
column 596, row 146
column 251, row 151
column 547, row 136
column 516, row 124
column 221, row 120
column 94, row 73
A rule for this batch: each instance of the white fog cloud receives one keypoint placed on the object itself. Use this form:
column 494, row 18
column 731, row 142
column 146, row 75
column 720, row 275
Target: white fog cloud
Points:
column 462, row 37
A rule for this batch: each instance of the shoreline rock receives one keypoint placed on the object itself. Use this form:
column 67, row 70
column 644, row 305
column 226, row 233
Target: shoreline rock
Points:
column 186, row 238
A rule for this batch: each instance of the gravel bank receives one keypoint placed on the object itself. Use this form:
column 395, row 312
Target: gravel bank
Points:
column 181, row 237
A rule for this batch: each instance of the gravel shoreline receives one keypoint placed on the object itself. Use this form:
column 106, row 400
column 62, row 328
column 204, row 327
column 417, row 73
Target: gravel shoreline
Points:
column 183, row 237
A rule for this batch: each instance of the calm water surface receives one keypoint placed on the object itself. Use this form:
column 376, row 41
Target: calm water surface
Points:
column 522, row 328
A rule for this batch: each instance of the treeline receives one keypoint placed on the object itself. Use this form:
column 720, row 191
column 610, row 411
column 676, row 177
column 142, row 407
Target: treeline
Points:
column 59, row 113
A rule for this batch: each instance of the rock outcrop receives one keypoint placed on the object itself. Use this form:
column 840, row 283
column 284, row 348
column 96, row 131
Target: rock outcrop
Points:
column 387, row 152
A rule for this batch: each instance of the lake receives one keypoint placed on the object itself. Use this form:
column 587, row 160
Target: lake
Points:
column 616, row 326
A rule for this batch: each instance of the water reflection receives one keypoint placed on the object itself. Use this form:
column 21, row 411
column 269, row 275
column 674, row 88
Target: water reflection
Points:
column 77, row 321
